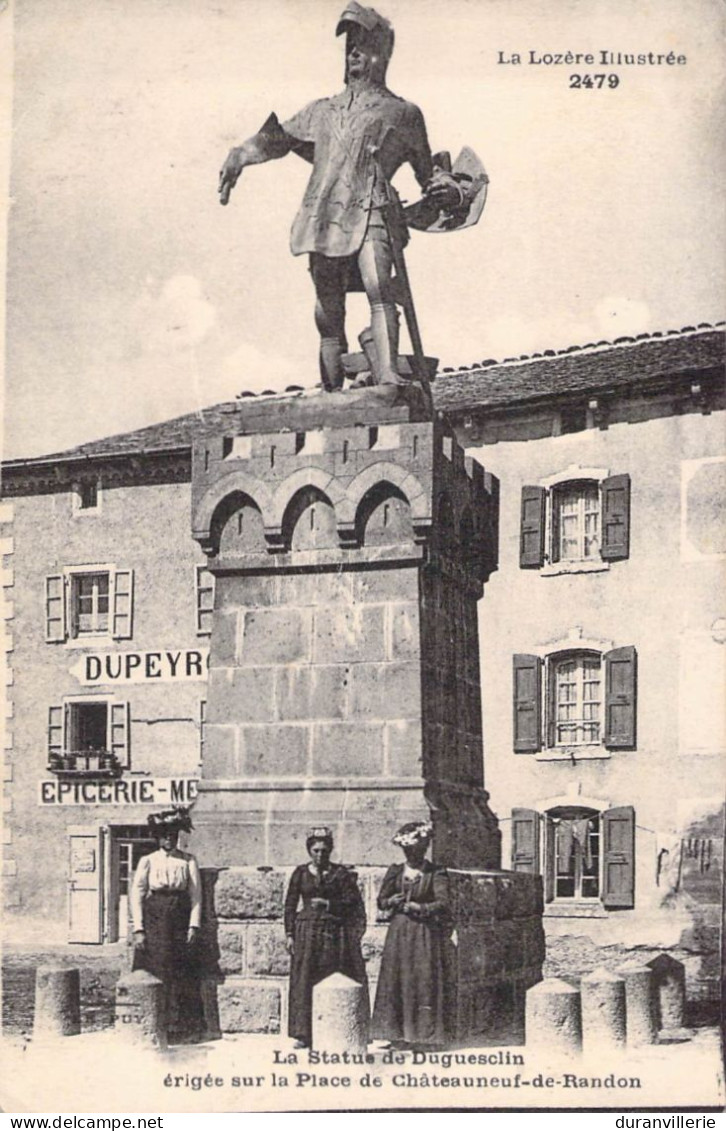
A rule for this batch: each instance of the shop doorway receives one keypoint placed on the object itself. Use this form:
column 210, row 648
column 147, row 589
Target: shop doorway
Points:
column 127, row 843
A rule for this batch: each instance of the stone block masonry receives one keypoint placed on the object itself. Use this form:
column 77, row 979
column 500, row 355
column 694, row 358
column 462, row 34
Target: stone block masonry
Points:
column 344, row 679
column 494, row 960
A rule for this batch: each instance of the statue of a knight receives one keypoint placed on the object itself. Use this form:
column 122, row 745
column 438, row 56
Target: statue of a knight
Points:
column 351, row 222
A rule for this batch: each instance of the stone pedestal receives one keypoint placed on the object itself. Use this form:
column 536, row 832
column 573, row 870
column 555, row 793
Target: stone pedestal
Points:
column 350, row 540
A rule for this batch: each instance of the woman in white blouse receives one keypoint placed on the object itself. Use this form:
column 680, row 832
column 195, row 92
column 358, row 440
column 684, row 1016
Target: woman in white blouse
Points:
column 166, row 908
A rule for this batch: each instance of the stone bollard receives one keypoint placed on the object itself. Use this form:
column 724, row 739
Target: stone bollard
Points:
column 340, row 1015
column 553, row 1022
column 669, row 982
column 57, row 1002
column 603, row 1010
column 140, row 1010
column 641, row 1021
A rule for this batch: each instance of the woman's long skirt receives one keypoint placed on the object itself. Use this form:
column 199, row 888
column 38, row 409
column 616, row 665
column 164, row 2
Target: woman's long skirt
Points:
column 410, row 997
column 322, row 947
column 173, row 960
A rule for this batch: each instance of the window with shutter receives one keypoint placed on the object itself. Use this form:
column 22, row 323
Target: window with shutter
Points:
column 575, row 834
column 575, row 535
column 56, row 730
column 89, row 601
column 204, row 591
column 615, row 542
column 588, row 856
column 527, row 705
column 90, row 593
column 55, row 608
column 620, row 698
column 123, row 604
column 618, row 884
column 575, row 524
column 532, row 532
column 525, row 840
column 575, row 699
column 119, row 733
column 88, row 736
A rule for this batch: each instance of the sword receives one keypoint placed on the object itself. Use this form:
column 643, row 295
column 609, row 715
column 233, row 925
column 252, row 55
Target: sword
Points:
column 404, row 296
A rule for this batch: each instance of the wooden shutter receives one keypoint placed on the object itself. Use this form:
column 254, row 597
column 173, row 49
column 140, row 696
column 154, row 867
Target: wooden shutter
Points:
column 615, row 508
column 550, row 671
column 532, row 530
column 55, row 608
column 123, row 604
column 204, row 584
column 56, row 720
column 119, row 732
column 618, row 831
column 549, row 863
column 620, row 698
column 525, row 840
column 527, row 676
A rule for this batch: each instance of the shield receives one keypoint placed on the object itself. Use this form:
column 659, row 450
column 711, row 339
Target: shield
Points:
column 471, row 179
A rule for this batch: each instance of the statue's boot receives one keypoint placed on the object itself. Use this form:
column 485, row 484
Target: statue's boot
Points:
column 331, row 364
column 384, row 332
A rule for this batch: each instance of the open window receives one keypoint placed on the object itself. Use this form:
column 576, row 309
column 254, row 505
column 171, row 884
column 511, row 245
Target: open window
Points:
column 86, row 602
column 88, row 736
column 573, row 699
column 575, row 523
column 584, row 855
column 87, row 496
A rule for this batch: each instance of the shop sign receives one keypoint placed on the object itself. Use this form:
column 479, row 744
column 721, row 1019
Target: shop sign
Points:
column 119, row 791
column 172, row 665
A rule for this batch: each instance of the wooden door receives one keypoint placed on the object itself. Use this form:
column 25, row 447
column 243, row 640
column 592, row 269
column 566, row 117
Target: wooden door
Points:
column 85, row 884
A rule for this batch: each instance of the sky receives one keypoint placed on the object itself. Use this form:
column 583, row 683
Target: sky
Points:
column 133, row 297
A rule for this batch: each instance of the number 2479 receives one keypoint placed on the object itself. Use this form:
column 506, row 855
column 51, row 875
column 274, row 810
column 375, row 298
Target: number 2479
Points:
column 590, row 82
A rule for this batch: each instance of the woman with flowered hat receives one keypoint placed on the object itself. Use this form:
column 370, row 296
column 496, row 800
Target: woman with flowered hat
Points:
column 324, row 923
column 410, row 998
column 166, row 908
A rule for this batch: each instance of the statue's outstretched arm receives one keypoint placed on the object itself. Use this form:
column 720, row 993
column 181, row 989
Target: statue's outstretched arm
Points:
column 268, row 144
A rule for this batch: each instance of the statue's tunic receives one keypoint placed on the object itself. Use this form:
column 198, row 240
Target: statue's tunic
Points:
column 356, row 137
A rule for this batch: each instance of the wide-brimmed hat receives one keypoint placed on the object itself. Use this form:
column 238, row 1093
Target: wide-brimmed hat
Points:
column 415, row 832
column 177, row 819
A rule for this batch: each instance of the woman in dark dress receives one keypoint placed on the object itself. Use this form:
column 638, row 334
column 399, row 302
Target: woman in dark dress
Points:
column 323, row 937
column 166, row 906
column 410, row 998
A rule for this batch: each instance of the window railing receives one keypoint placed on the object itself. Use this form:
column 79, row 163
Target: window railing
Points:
column 86, row 763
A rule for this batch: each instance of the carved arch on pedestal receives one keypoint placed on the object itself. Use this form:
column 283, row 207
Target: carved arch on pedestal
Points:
column 375, row 476
column 236, row 483
column 325, row 483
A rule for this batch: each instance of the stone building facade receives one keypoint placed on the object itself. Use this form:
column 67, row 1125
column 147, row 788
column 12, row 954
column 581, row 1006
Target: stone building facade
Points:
column 106, row 651
column 603, row 641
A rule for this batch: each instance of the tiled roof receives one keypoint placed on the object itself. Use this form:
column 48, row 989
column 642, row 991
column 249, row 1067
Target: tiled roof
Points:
column 594, row 368
column 598, row 367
